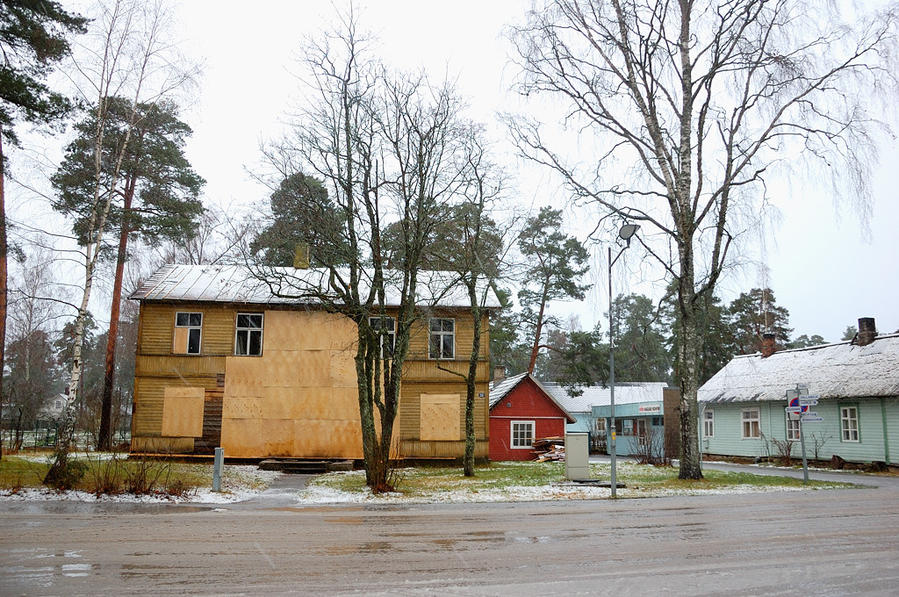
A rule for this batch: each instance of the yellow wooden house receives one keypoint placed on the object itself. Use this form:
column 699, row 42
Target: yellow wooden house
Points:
column 227, row 359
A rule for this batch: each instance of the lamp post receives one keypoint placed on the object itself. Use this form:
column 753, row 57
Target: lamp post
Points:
column 625, row 233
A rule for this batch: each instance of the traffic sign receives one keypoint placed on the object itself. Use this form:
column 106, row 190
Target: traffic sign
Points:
column 793, row 409
column 808, row 413
column 812, row 419
column 810, row 401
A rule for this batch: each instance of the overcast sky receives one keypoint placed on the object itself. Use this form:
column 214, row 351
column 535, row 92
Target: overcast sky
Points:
column 820, row 261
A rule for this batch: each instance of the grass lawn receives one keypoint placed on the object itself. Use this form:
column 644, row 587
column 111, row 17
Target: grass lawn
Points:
column 546, row 480
column 113, row 474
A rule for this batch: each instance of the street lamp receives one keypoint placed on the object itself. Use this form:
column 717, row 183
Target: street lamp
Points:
column 625, row 233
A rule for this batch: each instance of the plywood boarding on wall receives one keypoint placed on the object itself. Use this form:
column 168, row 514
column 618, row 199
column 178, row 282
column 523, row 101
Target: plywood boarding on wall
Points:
column 182, row 411
column 410, row 407
column 299, row 397
column 149, row 397
column 440, row 417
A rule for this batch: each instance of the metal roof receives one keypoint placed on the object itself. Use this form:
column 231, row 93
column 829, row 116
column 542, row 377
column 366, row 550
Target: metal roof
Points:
column 501, row 389
column 841, row 370
column 285, row 285
column 625, row 393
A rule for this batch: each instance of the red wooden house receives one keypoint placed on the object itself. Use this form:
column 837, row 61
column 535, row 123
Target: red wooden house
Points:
column 521, row 411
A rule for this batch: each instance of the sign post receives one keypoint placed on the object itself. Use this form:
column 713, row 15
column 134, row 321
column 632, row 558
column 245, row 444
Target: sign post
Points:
column 794, row 399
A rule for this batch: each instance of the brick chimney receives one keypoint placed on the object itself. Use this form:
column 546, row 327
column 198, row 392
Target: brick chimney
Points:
column 866, row 331
column 768, row 347
column 499, row 374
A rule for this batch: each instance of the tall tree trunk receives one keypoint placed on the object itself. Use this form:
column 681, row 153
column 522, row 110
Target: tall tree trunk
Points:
column 535, row 349
column 104, row 438
column 3, row 276
column 688, row 366
column 468, row 461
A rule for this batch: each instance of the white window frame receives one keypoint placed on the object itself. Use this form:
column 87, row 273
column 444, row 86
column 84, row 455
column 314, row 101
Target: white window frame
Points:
column 249, row 330
column 708, row 423
column 375, row 324
column 440, row 334
column 601, row 425
column 513, row 443
column 793, row 428
column 849, row 423
column 747, row 421
column 190, row 328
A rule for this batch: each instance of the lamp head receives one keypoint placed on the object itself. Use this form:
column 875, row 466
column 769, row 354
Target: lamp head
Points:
column 627, row 231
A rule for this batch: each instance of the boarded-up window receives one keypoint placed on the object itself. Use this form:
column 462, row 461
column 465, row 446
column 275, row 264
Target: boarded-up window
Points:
column 182, row 411
column 440, row 417
column 188, row 332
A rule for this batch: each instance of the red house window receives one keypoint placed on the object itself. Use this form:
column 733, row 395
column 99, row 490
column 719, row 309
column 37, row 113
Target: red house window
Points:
column 522, row 434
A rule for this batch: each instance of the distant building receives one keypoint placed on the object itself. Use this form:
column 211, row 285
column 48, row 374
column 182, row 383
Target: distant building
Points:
column 857, row 384
column 639, row 413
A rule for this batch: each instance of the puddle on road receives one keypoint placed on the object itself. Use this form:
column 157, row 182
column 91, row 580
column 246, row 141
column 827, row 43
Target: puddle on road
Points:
column 362, row 548
column 44, row 568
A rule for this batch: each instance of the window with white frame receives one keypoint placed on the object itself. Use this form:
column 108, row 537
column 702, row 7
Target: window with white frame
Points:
column 388, row 336
column 522, row 434
column 792, row 428
column 249, row 335
column 601, row 426
column 751, row 428
column 442, row 343
column 188, row 332
column 849, row 423
column 708, row 423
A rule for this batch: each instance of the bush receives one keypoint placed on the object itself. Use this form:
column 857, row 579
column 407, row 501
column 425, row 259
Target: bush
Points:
column 65, row 473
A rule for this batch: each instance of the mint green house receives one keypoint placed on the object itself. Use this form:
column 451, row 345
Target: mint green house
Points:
column 742, row 408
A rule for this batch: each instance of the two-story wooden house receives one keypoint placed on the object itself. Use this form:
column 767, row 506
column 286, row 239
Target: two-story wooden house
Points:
column 223, row 360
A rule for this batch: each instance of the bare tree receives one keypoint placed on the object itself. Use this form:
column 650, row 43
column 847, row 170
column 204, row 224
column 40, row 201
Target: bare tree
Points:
column 476, row 253
column 699, row 100
column 126, row 55
column 386, row 148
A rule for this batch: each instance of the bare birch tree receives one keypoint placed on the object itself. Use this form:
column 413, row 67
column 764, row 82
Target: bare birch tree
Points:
column 695, row 102
column 126, row 55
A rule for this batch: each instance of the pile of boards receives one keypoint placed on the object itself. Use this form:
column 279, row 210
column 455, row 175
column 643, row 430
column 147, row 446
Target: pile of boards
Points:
column 550, row 449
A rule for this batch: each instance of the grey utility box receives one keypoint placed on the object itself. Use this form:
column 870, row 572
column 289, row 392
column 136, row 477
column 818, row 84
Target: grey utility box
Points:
column 577, row 461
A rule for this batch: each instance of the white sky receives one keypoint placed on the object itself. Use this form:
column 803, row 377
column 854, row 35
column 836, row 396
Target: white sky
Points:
column 822, row 267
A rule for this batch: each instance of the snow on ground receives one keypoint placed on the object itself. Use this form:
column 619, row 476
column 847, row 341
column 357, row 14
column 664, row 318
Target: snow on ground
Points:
column 239, row 483
column 318, row 494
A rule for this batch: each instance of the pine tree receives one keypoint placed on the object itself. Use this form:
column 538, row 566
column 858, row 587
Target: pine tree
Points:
column 157, row 197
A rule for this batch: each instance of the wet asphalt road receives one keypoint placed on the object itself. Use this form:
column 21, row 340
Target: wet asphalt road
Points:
column 833, row 542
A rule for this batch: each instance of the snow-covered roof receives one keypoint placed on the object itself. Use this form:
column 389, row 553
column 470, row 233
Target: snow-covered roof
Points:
column 499, row 390
column 286, row 285
column 842, row 370
column 625, row 393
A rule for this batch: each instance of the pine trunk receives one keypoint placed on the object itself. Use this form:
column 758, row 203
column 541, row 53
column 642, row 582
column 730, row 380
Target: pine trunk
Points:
column 3, row 281
column 104, row 437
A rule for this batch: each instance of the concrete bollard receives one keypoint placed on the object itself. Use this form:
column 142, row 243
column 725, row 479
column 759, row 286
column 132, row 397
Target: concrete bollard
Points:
column 217, row 469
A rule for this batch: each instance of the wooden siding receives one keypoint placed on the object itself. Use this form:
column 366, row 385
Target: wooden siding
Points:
column 873, row 415
column 526, row 402
column 419, row 449
column 299, row 398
